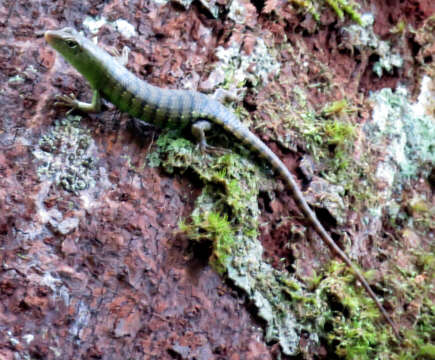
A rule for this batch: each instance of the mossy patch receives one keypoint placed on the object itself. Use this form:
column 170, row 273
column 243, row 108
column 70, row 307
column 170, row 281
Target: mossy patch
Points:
column 328, row 135
column 328, row 307
column 340, row 7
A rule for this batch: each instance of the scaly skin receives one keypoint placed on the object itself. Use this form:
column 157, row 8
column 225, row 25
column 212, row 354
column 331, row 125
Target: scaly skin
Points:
column 175, row 108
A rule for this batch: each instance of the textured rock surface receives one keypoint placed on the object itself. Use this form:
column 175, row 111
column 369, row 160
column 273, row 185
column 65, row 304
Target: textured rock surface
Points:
column 98, row 271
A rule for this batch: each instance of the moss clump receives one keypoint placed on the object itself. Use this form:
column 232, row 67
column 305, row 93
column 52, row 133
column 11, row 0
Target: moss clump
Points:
column 358, row 337
column 329, row 136
column 226, row 214
column 231, row 183
column 341, row 7
column 217, row 229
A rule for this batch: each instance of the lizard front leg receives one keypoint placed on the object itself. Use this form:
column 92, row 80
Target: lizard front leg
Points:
column 72, row 102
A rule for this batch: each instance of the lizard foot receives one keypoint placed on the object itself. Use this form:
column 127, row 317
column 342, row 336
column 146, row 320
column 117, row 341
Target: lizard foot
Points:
column 72, row 102
column 68, row 101
column 208, row 149
column 198, row 130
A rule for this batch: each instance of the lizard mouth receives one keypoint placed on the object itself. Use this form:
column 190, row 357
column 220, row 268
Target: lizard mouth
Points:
column 48, row 35
column 51, row 36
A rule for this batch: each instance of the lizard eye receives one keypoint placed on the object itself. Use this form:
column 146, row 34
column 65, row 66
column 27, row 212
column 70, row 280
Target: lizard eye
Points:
column 71, row 44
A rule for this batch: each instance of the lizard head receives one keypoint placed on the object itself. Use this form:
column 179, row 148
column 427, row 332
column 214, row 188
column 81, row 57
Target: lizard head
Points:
column 80, row 52
column 66, row 41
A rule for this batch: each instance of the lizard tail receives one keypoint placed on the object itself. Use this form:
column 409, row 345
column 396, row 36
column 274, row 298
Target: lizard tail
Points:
column 256, row 145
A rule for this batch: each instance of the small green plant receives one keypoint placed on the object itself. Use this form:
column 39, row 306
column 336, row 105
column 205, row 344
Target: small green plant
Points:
column 339, row 133
column 359, row 337
column 341, row 7
column 335, row 107
column 217, row 229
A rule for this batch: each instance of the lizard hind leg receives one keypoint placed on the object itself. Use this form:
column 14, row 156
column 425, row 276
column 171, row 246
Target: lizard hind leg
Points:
column 198, row 130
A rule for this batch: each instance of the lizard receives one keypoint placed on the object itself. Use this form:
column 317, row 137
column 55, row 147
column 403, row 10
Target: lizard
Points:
column 111, row 80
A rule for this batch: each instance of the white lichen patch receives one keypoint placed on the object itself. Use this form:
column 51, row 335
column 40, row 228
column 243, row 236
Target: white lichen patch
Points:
column 328, row 196
column 17, row 79
column 28, row 338
column 405, row 136
column 258, row 279
column 94, row 24
column 425, row 104
column 235, row 68
column 122, row 26
column 363, row 37
column 162, row 2
column 65, row 155
column 237, row 11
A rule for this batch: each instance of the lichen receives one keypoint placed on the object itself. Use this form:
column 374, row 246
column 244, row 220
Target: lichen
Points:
column 65, row 155
column 237, row 11
column 406, row 138
column 17, row 79
column 234, row 68
column 122, row 26
column 362, row 37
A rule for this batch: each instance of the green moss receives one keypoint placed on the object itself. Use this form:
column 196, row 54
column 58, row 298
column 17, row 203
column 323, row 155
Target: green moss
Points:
column 339, row 133
column 426, row 261
column 217, row 229
column 335, row 107
column 427, row 352
column 359, row 337
column 363, row 334
column 223, row 196
column 308, row 6
column 419, row 206
column 226, row 215
column 414, row 284
column 399, row 28
column 341, row 7
column 329, row 138
column 331, row 306
column 349, row 9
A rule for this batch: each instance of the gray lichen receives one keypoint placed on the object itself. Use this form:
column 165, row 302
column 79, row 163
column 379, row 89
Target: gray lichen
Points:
column 235, row 68
column 363, row 37
column 405, row 135
column 237, row 11
column 65, row 155
column 122, row 26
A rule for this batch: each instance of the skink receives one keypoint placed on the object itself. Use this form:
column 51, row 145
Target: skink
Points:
column 176, row 108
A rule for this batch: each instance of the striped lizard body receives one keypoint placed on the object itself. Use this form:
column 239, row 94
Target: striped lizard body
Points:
column 175, row 108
